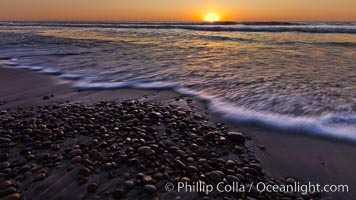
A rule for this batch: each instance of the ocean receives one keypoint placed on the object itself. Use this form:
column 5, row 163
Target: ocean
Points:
column 294, row 76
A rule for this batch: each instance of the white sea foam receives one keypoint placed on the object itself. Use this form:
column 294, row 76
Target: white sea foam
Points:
column 326, row 125
column 330, row 125
column 50, row 71
column 290, row 81
column 226, row 27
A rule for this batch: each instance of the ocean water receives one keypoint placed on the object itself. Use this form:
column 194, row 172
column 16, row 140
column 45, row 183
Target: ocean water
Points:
column 299, row 77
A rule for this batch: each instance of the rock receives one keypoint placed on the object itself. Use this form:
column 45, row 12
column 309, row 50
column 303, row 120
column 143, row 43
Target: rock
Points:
column 236, row 137
column 4, row 184
column 118, row 193
column 157, row 175
column 189, row 100
column 149, row 188
column 46, row 144
column 8, row 191
column 39, row 177
column 45, row 97
column 145, row 151
column 192, row 169
column 107, row 166
column 76, row 159
column 75, row 152
column 185, row 179
column 255, row 166
column 180, row 164
column 27, row 131
column 4, row 165
column 262, row 147
column 4, row 157
column 190, row 159
column 84, row 171
column 202, row 161
column 290, row 181
column 129, row 184
column 146, row 179
column 230, row 164
column 155, row 115
column 232, row 179
column 16, row 196
column 4, row 140
column 216, row 176
column 92, row 188
column 98, row 156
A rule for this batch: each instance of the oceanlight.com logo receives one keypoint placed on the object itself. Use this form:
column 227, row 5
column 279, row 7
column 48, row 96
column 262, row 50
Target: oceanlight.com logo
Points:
column 261, row 187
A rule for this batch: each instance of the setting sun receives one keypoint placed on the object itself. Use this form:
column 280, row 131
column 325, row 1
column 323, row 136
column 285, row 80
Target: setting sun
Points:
column 212, row 17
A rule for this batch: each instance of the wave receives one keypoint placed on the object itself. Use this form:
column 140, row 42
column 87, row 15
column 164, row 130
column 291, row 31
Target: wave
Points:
column 227, row 38
column 349, row 28
column 270, row 23
column 328, row 125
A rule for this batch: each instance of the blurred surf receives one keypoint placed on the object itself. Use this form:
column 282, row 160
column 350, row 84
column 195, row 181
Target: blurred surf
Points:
column 295, row 80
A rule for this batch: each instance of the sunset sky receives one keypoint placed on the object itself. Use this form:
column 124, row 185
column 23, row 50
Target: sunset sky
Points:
column 178, row 10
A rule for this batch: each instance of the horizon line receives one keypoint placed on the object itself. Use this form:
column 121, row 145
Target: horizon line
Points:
column 201, row 21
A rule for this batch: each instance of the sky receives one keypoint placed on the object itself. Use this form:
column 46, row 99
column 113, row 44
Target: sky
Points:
column 177, row 10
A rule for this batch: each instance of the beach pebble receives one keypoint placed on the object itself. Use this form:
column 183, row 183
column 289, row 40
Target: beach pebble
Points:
column 230, row 163
column 185, row 179
column 131, row 147
column 129, row 184
column 4, row 140
column 75, row 152
column 146, row 179
column 155, row 115
column 84, row 171
column 145, row 150
column 255, row 166
column 27, row 131
column 232, row 179
column 76, row 159
column 92, row 188
column 4, row 184
column 192, row 169
column 8, row 191
column 180, row 164
column 216, row 176
column 4, row 157
column 262, row 147
column 118, row 193
column 16, row 196
column 290, row 181
column 236, row 137
column 4, row 165
column 149, row 188
column 39, row 177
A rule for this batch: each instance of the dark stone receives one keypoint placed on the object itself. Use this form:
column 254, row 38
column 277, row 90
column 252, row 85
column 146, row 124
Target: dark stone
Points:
column 92, row 188
column 84, row 171
column 236, row 137
column 145, row 150
column 149, row 188
column 118, row 193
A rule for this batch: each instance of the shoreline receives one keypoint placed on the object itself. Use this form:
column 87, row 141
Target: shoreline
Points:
column 282, row 155
column 319, row 126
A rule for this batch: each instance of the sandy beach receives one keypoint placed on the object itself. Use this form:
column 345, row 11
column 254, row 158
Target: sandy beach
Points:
column 47, row 166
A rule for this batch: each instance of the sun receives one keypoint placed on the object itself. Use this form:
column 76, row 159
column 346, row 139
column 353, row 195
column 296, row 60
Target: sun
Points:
column 211, row 17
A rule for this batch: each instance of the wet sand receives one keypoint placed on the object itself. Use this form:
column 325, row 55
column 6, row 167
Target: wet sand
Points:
column 282, row 155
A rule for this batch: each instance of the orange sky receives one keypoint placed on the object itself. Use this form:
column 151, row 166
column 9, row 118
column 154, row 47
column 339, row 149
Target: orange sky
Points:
column 178, row 10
